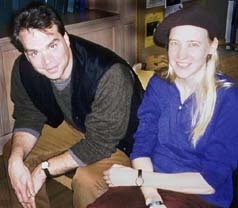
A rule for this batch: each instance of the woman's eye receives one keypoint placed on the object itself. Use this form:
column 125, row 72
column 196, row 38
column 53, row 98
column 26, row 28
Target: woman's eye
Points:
column 173, row 43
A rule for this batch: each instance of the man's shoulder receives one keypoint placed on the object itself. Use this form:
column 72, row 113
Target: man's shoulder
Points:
column 19, row 60
column 81, row 46
column 16, row 65
column 118, row 71
column 79, row 42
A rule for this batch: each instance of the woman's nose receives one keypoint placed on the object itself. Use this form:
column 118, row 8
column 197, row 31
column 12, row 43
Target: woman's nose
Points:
column 182, row 52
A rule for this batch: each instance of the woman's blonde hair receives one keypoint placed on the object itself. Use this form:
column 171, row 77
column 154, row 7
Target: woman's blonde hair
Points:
column 205, row 99
column 205, row 95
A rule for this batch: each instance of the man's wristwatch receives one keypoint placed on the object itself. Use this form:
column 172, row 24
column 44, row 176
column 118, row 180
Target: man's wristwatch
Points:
column 44, row 166
column 139, row 180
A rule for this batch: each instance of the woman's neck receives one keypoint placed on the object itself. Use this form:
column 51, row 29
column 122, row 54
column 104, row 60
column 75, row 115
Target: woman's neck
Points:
column 184, row 90
column 189, row 85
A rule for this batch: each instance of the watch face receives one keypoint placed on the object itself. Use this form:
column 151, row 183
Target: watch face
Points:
column 139, row 181
column 44, row 165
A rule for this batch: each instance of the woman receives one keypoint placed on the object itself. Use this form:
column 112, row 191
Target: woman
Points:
column 187, row 140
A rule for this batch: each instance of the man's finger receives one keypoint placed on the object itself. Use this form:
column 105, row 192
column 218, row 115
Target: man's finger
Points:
column 30, row 188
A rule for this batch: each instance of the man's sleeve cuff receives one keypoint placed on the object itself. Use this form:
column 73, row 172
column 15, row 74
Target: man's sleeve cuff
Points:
column 27, row 130
column 78, row 161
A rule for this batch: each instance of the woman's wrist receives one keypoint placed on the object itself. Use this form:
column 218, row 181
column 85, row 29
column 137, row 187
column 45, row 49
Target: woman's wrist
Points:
column 154, row 203
column 152, row 196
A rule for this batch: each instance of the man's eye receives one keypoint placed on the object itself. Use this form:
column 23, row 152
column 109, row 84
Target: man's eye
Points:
column 33, row 54
column 54, row 45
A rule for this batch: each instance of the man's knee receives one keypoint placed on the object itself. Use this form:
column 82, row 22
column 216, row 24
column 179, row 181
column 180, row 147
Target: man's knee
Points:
column 89, row 178
column 87, row 185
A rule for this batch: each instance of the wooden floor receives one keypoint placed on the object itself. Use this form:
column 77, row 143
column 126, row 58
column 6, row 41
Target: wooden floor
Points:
column 59, row 195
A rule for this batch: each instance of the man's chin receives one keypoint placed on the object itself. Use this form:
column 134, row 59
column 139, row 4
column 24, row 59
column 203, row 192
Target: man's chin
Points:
column 53, row 77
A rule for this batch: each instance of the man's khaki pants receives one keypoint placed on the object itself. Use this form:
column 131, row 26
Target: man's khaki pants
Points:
column 87, row 183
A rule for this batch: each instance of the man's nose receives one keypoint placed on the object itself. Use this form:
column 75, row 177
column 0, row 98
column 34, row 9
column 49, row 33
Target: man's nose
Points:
column 46, row 59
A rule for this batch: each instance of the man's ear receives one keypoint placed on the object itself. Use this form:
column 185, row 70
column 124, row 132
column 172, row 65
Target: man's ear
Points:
column 26, row 56
column 66, row 38
column 214, row 46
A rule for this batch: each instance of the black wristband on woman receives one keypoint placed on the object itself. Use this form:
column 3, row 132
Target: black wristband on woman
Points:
column 153, row 203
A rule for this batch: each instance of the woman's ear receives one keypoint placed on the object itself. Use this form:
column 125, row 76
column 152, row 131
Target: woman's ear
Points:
column 213, row 46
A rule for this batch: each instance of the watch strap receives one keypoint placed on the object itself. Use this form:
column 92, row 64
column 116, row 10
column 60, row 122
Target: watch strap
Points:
column 47, row 173
column 44, row 167
column 155, row 203
column 139, row 180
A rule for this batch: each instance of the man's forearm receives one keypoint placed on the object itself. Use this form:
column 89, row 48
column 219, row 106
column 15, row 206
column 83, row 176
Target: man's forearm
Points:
column 61, row 164
column 22, row 144
column 19, row 174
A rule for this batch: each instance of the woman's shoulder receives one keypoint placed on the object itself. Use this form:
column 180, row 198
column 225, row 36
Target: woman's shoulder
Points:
column 158, row 82
column 159, row 85
column 227, row 88
column 222, row 77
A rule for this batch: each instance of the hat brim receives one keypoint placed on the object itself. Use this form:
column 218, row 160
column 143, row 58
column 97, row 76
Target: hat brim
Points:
column 196, row 15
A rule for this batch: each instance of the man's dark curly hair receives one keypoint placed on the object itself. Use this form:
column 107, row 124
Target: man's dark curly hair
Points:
column 36, row 16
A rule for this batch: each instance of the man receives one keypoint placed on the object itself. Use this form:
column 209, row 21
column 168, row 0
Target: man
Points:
column 62, row 77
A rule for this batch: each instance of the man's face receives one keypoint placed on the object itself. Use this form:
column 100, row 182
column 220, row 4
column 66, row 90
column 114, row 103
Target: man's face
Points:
column 48, row 51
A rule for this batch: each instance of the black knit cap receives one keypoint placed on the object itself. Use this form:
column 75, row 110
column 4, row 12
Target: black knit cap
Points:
column 195, row 15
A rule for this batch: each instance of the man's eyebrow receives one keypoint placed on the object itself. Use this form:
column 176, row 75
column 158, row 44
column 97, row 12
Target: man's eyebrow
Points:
column 50, row 43
column 53, row 41
column 30, row 50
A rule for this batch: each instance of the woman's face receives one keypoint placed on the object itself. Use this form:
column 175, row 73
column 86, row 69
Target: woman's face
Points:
column 188, row 50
